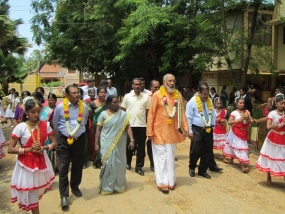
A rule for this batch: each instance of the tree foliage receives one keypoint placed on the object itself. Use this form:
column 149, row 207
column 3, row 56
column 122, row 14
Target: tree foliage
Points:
column 11, row 48
column 145, row 37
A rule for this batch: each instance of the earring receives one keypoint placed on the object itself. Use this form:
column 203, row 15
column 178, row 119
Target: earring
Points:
column 27, row 116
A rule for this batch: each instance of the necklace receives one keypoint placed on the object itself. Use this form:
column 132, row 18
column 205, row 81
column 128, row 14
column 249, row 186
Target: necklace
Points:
column 36, row 142
column 175, row 96
column 280, row 113
column 66, row 117
column 200, row 109
column 32, row 124
column 240, row 112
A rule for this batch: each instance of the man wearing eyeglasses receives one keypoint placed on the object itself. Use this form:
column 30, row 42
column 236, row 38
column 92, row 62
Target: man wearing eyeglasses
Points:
column 70, row 140
column 201, row 120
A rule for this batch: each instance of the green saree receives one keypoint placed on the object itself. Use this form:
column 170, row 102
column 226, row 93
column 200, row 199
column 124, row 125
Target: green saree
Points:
column 113, row 150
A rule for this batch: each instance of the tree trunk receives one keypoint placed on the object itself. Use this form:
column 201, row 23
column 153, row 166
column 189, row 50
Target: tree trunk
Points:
column 5, row 87
column 257, row 4
column 225, row 47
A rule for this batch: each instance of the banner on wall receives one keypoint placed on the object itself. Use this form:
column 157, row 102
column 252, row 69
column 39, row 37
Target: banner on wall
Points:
column 210, row 79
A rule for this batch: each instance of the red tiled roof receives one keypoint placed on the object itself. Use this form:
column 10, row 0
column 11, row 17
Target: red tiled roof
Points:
column 50, row 68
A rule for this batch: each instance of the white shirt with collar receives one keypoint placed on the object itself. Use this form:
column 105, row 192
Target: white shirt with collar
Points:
column 85, row 92
column 112, row 91
column 136, row 106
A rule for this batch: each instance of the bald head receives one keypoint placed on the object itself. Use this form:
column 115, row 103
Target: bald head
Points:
column 169, row 82
column 154, row 86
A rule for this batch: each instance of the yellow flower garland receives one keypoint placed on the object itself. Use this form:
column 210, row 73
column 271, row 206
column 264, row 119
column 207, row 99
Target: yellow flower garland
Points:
column 66, row 117
column 175, row 96
column 200, row 109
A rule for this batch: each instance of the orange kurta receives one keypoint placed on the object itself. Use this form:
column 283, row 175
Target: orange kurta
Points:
column 157, row 126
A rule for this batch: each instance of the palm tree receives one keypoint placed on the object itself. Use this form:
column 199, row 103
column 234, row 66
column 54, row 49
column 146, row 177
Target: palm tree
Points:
column 11, row 70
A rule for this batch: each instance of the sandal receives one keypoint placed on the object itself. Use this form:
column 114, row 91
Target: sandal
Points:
column 164, row 190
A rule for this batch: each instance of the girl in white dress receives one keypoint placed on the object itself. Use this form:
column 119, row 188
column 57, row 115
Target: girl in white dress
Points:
column 220, row 131
column 236, row 145
column 14, row 101
column 272, row 154
column 33, row 173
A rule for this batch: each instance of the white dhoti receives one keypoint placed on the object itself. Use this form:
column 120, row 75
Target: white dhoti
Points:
column 164, row 164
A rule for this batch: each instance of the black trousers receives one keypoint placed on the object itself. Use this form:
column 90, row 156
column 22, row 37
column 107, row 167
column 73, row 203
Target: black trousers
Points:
column 139, row 134
column 70, row 153
column 201, row 147
column 149, row 152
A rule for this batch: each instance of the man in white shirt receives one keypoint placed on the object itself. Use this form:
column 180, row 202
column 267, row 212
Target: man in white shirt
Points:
column 111, row 90
column 90, row 84
column 136, row 104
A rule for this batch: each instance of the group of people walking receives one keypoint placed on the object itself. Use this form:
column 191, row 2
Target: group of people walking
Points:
column 91, row 125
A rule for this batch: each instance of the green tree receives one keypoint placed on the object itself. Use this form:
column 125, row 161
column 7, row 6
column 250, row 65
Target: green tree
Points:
column 11, row 70
column 33, row 62
column 10, row 42
column 126, row 38
column 236, row 44
column 144, row 38
column 11, row 49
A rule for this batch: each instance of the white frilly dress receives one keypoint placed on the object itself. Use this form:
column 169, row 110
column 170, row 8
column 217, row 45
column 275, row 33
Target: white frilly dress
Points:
column 236, row 145
column 33, row 173
column 272, row 154
column 220, row 131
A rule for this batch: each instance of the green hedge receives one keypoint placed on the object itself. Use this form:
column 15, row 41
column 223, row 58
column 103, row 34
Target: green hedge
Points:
column 51, row 84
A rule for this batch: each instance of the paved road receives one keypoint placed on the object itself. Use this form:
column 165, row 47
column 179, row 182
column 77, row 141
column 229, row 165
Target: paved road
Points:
column 228, row 192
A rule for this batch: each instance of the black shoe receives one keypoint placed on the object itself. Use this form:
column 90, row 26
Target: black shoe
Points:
column 204, row 174
column 128, row 166
column 64, row 202
column 140, row 172
column 215, row 169
column 192, row 172
column 77, row 193
column 152, row 168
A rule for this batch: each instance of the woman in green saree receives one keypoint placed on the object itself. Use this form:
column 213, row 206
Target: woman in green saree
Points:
column 112, row 129
column 97, row 106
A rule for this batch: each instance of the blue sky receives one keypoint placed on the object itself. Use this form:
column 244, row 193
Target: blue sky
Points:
column 22, row 9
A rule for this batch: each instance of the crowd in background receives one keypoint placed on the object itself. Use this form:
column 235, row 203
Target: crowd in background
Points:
column 90, row 125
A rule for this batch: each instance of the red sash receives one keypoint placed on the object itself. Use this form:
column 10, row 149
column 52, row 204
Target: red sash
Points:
column 276, row 138
column 240, row 130
column 221, row 116
column 31, row 160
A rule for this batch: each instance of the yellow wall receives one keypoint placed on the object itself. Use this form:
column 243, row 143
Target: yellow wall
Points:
column 280, row 49
column 28, row 85
column 280, row 9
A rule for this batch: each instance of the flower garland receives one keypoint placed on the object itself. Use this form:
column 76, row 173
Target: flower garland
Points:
column 200, row 109
column 175, row 96
column 66, row 117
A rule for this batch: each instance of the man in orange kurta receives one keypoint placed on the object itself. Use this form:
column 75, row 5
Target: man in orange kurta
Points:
column 166, row 116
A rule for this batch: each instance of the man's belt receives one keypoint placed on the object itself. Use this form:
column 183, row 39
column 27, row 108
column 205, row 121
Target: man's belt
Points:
column 205, row 127
column 74, row 138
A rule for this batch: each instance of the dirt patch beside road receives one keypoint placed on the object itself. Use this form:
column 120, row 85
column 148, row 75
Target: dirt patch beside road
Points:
column 229, row 192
